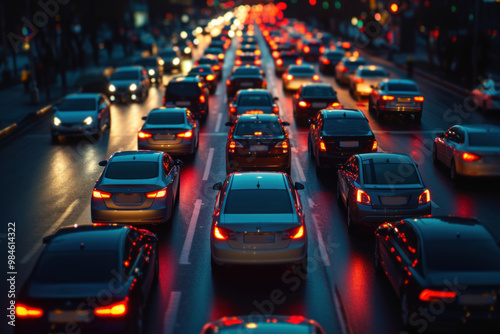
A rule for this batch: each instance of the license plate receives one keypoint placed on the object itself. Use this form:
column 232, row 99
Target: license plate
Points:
column 349, row 144
column 128, row 199
column 258, row 238
column 69, row 316
column 246, row 84
column 165, row 137
column 259, row 148
column 394, row 200
column 318, row 105
column 484, row 299
column 183, row 103
column 404, row 99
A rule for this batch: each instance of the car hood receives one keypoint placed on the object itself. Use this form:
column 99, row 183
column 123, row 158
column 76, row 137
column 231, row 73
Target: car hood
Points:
column 74, row 116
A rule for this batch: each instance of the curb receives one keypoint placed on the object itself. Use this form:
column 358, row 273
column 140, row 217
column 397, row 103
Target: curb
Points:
column 25, row 122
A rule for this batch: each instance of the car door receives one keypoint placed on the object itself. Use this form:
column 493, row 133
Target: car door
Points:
column 318, row 128
column 171, row 177
column 347, row 176
column 103, row 111
column 450, row 144
column 404, row 256
column 133, row 261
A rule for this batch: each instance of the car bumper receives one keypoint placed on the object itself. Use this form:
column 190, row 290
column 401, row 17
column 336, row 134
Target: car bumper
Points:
column 366, row 215
column 239, row 163
column 75, row 130
column 187, row 148
column 477, row 168
column 401, row 110
column 108, row 326
column 144, row 216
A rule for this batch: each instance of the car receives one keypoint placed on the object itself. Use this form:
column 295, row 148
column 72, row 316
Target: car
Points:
column 247, row 58
column 268, row 324
column 208, row 76
column 297, row 75
column 285, row 59
column 213, row 62
column 440, row 263
column 117, row 264
column 337, row 134
column 329, row 60
column 311, row 98
column 487, row 95
column 363, row 78
column 218, row 52
column 185, row 46
column 469, row 150
column 258, row 142
column 153, row 67
column 311, row 50
column 347, row 48
column 129, row 83
column 245, row 77
column 252, row 100
column 396, row 96
column 279, row 48
column 136, row 187
column 258, row 220
column 220, row 44
column 249, row 48
column 172, row 130
column 345, row 67
column 81, row 114
column 377, row 187
column 171, row 58
column 188, row 92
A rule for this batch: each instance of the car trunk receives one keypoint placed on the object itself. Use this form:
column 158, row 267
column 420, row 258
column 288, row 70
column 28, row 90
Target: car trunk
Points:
column 131, row 195
column 352, row 144
column 165, row 134
column 259, row 147
column 394, row 196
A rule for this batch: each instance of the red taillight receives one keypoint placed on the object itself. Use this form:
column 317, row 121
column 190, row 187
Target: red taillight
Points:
column 303, row 104
column 257, row 62
column 210, row 77
column 425, row 197
column 322, row 146
column 358, row 80
column 216, row 67
column 275, row 54
column 469, row 157
column 232, row 109
column 257, row 133
column 362, row 197
column 344, row 69
column 257, row 52
column 187, row 134
column 117, row 309
column 289, row 77
column 419, row 99
column 428, row 295
column 238, row 62
column 322, row 49
column 144, row 135
column 375, row 145
column 23, row 311
column 220, row 56
column 100, row 194
column 238, row 52
column 233, row 145
column 157, row 194
column 231, row 321
column 296, row 232
column 387, row 98
column 298, row 61
column 284, row 145
column 202, row 99
column 164, row 100
column 296, row 319
column 276, row 109
column 346, row 45
column 316, row 77
column 326, row 61
column 222, row 233
column 228, row 82
column 279, row 62
column 307, row 49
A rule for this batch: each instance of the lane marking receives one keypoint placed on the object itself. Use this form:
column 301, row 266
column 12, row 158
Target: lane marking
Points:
column 209, row 164
column 434, row 205
column 213, row 134
column 50, row 231
column 188, row 242
column 321, row 244
column 171, row 313
column 311, row 202
column 302, row 176
column 217, row 125
column 342, row 317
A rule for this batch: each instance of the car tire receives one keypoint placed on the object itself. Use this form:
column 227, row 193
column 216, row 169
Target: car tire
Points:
column 435, row 159
column 216, row 269
column 351, row 227
column 378, row 113
column 310, row 149
column 453, row 172
column 178, row 192
column 339, row 195
column 370, row 106
column 404, row 309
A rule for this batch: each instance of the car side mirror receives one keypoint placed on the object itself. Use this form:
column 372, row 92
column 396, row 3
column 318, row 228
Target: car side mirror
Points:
column 340, row 166
column 299, row 186
column 103, row 163
column 144, row 118
column 229, row 123
column 178, row 162
column 217, row 186
column 285, row 123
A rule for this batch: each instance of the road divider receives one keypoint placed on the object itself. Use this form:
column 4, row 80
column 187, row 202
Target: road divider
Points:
column 209, row 164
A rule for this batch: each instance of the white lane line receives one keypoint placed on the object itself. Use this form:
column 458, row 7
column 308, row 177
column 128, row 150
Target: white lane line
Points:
column 217, row 125
column 171, row 313
column 302, row 176
column 209, row 164
column 51, row 230
column 321, row 244
column 311, row 202
column 434, row 205
column 338, row 310
column 188, row 242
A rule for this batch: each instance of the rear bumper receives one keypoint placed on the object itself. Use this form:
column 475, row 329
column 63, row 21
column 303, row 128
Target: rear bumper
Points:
column 239, row 163
column 399, row 110
column 477, row 169
column 187, row 148
column 145, row 216
column 366, row 215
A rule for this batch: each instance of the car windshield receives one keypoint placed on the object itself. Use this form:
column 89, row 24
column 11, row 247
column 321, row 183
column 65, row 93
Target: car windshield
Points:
column 198, row 70
column 390, row 173
column 166, row 118
column 266, row 129
column 372, row 73
column 77, row 105
column 247, row 100
column 318, row 91
column 125, row 75
column 76, row 267
column 247, row 71
column 170, row 53
column 128, row 170
column 462, row 255
column 402, row 87
column 147, row 62
column 257, row 201
column 346, row 126
column 488, row 139
column 183, row 89
column 301, row 70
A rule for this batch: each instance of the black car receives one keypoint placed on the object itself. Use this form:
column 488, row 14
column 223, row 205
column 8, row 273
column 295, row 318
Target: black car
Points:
column 251, row 48
column 188, row 92
column 247, row 58
column 153, row 67
column 245, row 77
column 311, row 98
column 171, row 58
column 329, row 60
column 130, row 83
column 213, row 62
column 207, row 75
column 446, row 268
column 285, row 59
column 218, row 52
column 92, row 279
column 258, row 142
column 312, row 50
column 335, row 135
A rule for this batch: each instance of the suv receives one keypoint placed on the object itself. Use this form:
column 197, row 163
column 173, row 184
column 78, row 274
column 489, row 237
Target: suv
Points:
column 188, row 92
column 129, row 83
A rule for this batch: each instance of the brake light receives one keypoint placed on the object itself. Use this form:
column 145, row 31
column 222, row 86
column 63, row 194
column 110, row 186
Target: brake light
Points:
column 220, row 56
column 307, row 49
column 425, row 197
column 346, row 45
column 429, row 295
column 343, row 69
column 316, row 77
column 298, row 61
column 279, row 62
column 222, row 233
column 283, row 145
column 358, row 80
column 100, row 194
column 238, row 62
column 164, row 100
column 276, row 54
column 157, row 194
column 257, row 52
column 289, row 77
column 231, row 321
column 469, row 157
column 276, row 109
column 303, row 104
column 336, row 105
column 24, row 311
column 210, row 77
column 202, row 99
column 232, row 109
column 144, row 135
column 363, row 198
column 419, row 99
column 257, row 62
column 187, row 134
column 387, row 98
column 117, row 309
column 233, row 145
column 375, row 145
column 322, row 146
column 254, row 112
column 257, row 133
column 322, row 49
column 296, row 232
column 238, row 52
column 216, row 67
column 228, row 82
column 326, row 61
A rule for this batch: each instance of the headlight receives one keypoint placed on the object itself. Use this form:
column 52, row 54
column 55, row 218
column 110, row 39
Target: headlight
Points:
column 196, row 41
column 57, row 121
column 88, row 120
column 187, row 50
column 161, row 62
column 112, row 88
column 151, row 72
column 176, row 61
column 133, row 87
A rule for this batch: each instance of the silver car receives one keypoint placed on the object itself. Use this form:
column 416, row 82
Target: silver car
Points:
column 362, row 80
column 258, row 219
column 345, row 67
column 297, row 75
column 469, row 150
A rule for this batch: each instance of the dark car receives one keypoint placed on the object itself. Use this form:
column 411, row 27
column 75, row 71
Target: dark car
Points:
column 279, row 48
column 258, row 142
column 336, row 135
column 448, row 264
column 250, row 48
column 190, row 93
column 396, row 96
column 218, row 52
column 153, row 67
column 136, row 187
column 171, row 59
column 345, row 67
column 207, row 75
column 252, row 101
column 285, row 59
column 376, row 187
column 245, row 77
column 329, row 60
column 92, row 279
column 247, row 58
column 172, row 130
column 312, row 50
column 311, row 98
column 213, row 62
column 129, row 83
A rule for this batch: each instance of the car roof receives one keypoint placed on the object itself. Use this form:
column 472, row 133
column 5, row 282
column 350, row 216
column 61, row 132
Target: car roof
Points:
column 253, row 91
column 293, row 67
column 258, row 117
column 161, row 110
column 129, row 68
column 353, row 59
column 382, row 157
column 317, row 84
column 400, row 81
column 82, row 96
column 136, row 156
column 71, row 238
column 257, row 180
column 342, row 113
column 181, row 78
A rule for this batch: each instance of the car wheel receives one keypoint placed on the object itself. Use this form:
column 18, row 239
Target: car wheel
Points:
column 178, row 192
column 351, row 227
column 453, row 171
column 216, row 269
column 378, row 113
column 376, row 259
column 405, row 309
column 434, row 154
column 417, row 117
column 310, row 149
column 370, row 106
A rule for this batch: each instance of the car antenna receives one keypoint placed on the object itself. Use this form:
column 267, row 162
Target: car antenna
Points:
column 345, row 115
column 258, row 185
column 82, row 246
column 458, row 235
column 134, row 157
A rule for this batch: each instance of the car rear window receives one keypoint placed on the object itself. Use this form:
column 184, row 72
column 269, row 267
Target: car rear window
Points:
column 301, row 70
column 462, row 255
column 402, row 87
column 125, row 75
column 268, row 129
column 147, row 62
column 374, row 73
column 318, row 91
column 247, row 57
column 205, row 70
column 247, row 71
column 182, row 89
column 128, row 170
column 248, row 100
column 171, row 53
column 207, row 61
column 346, row 126
column 248, row 201
column 390, row 173
column 166, row 118
column 76, row 267
column 77, row 105
column 488, row 139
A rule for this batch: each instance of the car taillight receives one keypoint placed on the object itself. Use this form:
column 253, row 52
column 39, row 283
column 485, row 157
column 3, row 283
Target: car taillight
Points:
column 362, row 197
column 275, row 54
column 24, row 311
column 164, row 100
column 469, row 157
column 343, row 69
column 187, row 134
column 279, row 61
column 303, row 104
column 307, row 49
column 425, row 197
column 202, row 99
column 428, row 295
column 210, row 77
column 257, row 133
column 228, row 82
column 257, row 52
column 117, row 309
column 100, row 194
column 375, row 145
column 326, row 61
column 419, row 99
column 222, row 233
column 238, row 62
column 144, row 135
column 276, row 109
column 157, row 193
column 322, row 146
column 358, row 80
column 316, row 77
column 289, row 77
column 233, row 145
column 387, row 97
column 346, row 45
column 322, row 49
column 283, row 145
column 257, row 62
column 232, row 109
column 220, row 56
column 216, row 67
column 336, row 105
column 298, row 61
column 238, row 52
column 295, row 232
